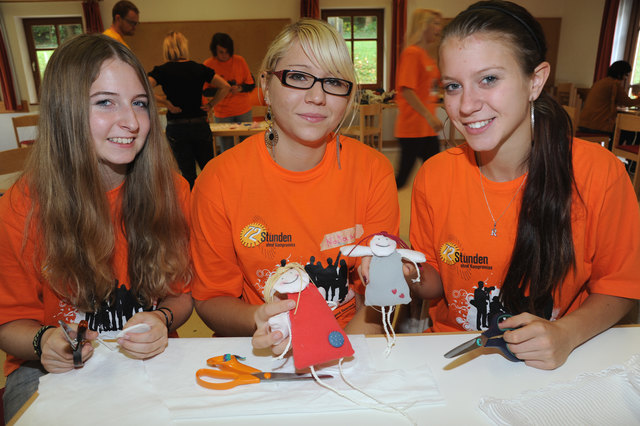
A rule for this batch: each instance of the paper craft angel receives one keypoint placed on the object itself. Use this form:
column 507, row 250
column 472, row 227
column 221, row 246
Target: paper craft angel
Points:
column 387, row 286
column 316, row 336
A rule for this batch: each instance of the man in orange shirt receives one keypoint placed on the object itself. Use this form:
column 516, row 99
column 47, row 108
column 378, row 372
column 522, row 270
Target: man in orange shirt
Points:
column 125, row 19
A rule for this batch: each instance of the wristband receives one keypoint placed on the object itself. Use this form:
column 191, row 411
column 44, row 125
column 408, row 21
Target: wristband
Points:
column 168, row 321
column 37, row 339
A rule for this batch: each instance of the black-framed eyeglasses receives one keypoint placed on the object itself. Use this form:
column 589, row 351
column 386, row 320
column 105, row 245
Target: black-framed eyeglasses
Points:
column 304, row 80
column 130, row 22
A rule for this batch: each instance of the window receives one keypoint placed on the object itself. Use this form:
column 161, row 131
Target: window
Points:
column 43, row 36
column 363, row 31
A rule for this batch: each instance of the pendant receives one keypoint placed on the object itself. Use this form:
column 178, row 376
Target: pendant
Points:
column 494, row 231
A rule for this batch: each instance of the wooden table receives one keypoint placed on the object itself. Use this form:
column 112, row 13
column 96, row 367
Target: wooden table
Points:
column 236, row 130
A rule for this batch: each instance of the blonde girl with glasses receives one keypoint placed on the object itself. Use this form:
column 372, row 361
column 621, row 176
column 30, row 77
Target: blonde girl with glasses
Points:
column 294, row 193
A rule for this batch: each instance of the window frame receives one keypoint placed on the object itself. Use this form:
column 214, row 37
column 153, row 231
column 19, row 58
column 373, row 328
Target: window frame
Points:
column 379, row 14
column 28, row 23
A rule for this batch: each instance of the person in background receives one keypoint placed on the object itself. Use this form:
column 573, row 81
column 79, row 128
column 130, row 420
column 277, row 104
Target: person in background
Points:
column 187, row 128
column 125, row 19
column 96, row 229
column 264, row 203
column 417, row 125
column 534, row 219
column 236, row 106
column 599, row 111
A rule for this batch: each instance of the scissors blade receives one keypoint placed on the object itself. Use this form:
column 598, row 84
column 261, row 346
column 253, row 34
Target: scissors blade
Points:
column 468, row 346
column 67, row 331
column 288, row 376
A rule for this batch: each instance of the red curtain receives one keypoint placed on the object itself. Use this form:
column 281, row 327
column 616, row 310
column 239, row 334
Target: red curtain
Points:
column 398, row 29
column 92, row 17
column 605, row 46
column 310, row 9
column 6, row 82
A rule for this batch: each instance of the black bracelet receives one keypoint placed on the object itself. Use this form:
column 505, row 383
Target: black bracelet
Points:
column 37, row 339
column 169, row 322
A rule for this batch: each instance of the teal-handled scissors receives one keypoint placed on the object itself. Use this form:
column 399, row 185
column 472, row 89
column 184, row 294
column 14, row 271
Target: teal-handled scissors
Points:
column 234, row 373
column 492, row 337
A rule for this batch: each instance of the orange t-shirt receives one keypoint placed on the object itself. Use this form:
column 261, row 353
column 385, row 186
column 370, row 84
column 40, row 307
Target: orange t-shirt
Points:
column 24, row 294
column 235, row 68
column 417, row 71
column 248, row 214
column 451, row 224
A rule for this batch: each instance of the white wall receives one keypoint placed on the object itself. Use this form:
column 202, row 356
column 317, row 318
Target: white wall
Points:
column 576, row 57
column 579, row 33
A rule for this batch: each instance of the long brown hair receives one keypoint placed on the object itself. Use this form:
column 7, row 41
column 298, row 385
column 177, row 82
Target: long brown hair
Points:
column 69, row 203
column 543, row 253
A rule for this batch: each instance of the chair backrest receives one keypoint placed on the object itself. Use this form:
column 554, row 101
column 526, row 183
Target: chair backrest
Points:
column 13, row 160
column 22, row 121
column 566, row 94
column 369, row 129
column 624, row 149
column 258, row 112
column 574, row 114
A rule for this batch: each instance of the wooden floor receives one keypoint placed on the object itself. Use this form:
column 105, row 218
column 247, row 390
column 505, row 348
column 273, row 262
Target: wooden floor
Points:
column 194, row 327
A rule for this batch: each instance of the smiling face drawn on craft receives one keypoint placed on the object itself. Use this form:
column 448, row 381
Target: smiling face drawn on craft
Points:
column 292, row 281
column 382, row 246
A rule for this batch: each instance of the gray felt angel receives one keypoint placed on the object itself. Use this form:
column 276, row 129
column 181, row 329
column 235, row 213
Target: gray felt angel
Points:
column 387, row 286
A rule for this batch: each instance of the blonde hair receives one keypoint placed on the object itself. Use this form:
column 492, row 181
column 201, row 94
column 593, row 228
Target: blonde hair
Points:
column 420, row 21
column 75, row 232
column 175, row 47
column 321, row 43
column 269, row 290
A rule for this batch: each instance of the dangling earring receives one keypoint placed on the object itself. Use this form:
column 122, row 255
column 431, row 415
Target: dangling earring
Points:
column 270, row 135
column 533, row 119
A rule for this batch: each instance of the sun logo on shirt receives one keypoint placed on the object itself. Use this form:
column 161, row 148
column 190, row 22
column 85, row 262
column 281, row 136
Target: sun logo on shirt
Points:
column 448, row 253
column 253, row 234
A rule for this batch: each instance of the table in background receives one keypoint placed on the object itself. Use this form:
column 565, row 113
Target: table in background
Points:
column 461, row 382
column 236, row 130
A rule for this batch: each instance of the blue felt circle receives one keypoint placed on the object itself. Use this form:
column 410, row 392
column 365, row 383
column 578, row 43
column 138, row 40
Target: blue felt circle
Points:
column 336, row 339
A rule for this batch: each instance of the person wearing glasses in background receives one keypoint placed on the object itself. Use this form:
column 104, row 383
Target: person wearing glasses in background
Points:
column 125, row 19
column 292, row 194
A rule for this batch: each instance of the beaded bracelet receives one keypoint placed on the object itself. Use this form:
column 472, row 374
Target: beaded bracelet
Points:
column 168, row 321
column 37, row 339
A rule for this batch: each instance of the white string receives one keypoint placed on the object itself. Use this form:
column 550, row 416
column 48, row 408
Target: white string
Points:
column 286, row 349
column 386, row 324
column 416, row 279
column 381, row 405
column 396, row 409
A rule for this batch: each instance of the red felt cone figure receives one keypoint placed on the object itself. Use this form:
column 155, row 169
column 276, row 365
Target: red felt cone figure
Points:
column 316, row 336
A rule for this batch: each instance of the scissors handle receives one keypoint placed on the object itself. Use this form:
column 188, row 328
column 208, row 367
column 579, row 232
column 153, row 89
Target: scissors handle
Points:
column 499, row 342
column 231, row 363
column 237, row 378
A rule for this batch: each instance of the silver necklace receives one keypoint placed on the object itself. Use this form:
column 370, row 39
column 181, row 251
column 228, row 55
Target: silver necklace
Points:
column 494, row 231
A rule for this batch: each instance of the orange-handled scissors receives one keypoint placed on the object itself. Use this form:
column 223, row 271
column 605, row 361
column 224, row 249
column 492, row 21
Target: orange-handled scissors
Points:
column 228, row 367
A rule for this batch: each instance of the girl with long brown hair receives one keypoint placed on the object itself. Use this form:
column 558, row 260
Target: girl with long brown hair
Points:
column 96, row 228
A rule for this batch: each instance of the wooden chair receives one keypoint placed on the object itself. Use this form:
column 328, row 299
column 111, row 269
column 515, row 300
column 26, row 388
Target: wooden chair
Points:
column 369, row 128
column 258, row 112
column 24, row 121
column 11, row 161
column 630, row 123
column 574, row 114
column 566, row 94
